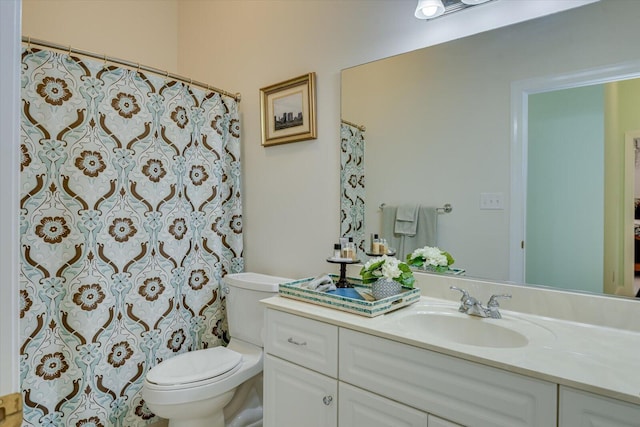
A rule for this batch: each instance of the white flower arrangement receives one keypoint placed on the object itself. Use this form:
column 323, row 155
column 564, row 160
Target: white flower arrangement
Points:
column 430, row 257
column 389, row 268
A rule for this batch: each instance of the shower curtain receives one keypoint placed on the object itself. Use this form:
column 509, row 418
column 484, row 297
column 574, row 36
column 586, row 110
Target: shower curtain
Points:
column 352, row 188
column 130, row 216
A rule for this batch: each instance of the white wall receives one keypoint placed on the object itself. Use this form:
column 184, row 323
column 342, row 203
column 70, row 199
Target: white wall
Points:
column 437, row 133
column 291, row 192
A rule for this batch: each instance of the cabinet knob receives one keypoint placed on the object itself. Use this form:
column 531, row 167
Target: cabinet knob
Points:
column 327, row 400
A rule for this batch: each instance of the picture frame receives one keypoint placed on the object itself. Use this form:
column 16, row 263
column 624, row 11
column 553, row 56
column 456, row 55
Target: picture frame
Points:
column 288, row 111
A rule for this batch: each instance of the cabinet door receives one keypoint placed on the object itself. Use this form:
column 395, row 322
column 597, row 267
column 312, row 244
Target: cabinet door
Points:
column 582, row 409
column 296, row 396
column 359, row 408
column 458, row 390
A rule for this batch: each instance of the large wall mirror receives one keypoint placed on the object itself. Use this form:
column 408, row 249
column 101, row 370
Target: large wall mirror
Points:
column 475, row 117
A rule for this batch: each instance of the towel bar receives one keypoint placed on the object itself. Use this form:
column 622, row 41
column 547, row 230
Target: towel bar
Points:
column 445, row 209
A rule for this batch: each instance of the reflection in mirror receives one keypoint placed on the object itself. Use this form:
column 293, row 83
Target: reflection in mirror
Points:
column 438, row 131
column 573, row 153
column 352, row 183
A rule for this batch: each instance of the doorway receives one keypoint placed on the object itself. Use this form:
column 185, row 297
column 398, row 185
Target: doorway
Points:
column 615, row 249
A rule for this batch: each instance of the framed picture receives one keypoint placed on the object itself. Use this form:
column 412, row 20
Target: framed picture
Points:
column 289, row 111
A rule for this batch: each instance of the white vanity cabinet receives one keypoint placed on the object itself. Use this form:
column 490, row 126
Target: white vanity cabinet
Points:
column 317, row 374
column 351, row 371
column 581, row 409
column 300, row 372
column 301, row 386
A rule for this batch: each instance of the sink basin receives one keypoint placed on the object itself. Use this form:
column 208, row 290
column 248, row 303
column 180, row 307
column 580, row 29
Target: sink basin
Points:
column 450, row 325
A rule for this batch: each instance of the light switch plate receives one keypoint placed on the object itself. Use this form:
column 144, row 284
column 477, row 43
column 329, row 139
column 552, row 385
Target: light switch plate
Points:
column 492, row 201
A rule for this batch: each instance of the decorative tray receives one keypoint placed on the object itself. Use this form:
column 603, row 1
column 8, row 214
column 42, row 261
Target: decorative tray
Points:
column 452, row 270
column 357, row 300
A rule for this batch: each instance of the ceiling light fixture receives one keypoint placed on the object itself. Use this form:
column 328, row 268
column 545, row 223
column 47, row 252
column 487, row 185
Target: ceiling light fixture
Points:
column 429, row 9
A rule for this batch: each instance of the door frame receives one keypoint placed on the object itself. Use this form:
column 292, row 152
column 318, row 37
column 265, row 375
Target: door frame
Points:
column 629, row 213
column 10, row 29
column 520, row 91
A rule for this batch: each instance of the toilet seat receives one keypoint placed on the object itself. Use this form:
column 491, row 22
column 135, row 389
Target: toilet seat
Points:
column 249, row 366
column 195, row 368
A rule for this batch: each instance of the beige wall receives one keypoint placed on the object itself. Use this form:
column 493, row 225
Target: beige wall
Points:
column 291, row 194
column 144, row 31
column 291, row 191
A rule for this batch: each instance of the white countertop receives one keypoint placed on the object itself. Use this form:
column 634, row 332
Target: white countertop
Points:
column 593, row 358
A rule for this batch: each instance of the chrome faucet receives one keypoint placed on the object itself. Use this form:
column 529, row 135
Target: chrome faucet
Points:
column 473, row 307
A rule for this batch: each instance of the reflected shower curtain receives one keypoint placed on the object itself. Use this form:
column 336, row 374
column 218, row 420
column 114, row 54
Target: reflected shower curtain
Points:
column 352, row 185
column 130, row 216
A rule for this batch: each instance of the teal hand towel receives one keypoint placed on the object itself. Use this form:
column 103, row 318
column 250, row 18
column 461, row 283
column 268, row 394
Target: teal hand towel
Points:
column 406, row 220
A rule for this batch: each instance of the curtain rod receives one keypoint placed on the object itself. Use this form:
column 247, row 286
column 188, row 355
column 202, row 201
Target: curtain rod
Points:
column 135, row 65
column 361, row 128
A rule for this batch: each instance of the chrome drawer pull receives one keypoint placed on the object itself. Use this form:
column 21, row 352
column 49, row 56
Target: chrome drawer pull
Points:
column 292, row 341
column 327, row 400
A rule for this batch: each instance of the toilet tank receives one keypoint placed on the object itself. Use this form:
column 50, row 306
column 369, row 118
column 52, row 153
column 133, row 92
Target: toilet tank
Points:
column 245, row 314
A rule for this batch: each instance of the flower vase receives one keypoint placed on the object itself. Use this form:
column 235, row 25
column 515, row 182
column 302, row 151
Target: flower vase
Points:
column 384, row 288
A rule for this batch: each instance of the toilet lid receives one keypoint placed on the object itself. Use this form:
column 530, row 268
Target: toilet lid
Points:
column 194, row 366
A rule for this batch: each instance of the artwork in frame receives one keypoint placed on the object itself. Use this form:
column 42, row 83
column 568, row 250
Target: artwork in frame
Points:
column 289, row 111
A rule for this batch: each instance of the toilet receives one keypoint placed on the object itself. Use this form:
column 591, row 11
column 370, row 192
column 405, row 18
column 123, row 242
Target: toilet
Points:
column 211, row 387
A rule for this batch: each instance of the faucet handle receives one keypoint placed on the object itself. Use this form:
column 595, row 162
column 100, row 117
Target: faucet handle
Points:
column 492, row 306
column 493, row 301
column 466, row 301
column 465, row 294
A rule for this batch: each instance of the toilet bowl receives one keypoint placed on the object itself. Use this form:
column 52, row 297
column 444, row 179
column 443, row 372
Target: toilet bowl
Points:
column 189, row 398
column 198, row 388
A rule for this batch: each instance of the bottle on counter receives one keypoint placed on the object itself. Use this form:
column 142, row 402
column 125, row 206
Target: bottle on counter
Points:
column 354, row 251
column 382, row 247
column 375, row 244
column 337, row 251
column 349, row 249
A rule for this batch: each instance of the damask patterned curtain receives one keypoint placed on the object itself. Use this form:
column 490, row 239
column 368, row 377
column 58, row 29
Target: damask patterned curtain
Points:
column 352, row 188
column 130, row 216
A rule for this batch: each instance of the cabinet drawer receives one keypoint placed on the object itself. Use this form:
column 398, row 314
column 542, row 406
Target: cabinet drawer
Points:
column 463, row 392
column 581, row 409
column 307, row 342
